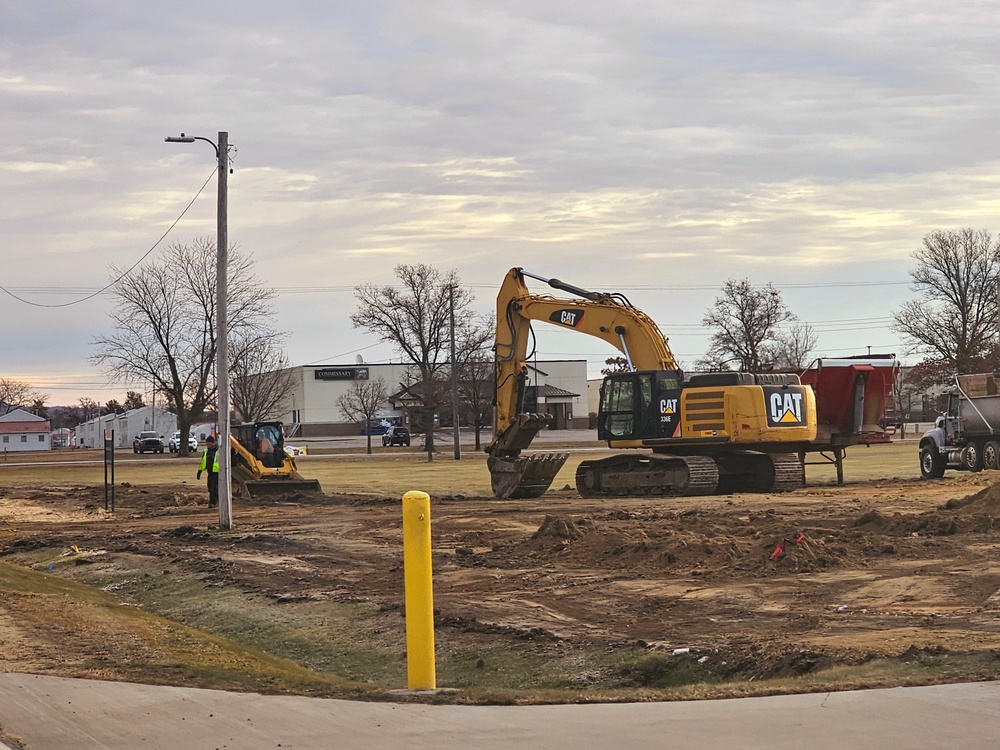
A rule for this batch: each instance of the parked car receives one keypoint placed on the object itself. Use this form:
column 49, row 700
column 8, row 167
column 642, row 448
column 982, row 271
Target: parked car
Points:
column 148, row 441
column 396, row 436
column 174, row 444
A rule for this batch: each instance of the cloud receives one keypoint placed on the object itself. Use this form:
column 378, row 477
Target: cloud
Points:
column 602, row 144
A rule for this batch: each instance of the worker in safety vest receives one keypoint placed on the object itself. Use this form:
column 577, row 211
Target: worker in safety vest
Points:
column 210, row 463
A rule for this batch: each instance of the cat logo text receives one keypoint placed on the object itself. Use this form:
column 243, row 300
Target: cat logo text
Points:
column 785, row 406
column 567, row 317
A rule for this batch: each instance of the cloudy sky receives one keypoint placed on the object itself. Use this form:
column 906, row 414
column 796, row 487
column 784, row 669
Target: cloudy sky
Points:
column 654, row 148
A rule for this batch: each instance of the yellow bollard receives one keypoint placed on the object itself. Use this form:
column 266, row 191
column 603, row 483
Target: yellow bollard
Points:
column 419, row 591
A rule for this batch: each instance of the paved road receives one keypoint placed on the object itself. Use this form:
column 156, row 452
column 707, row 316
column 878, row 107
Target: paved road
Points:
column 52, row 713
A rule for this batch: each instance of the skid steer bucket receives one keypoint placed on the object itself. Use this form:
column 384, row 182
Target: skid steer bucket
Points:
column 248, row 485
column 255, row 489
column 524, row 476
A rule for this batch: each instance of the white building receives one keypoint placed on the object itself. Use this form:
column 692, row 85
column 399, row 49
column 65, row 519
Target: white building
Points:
column 311, row 410
column 22, row 431
column 126, row 426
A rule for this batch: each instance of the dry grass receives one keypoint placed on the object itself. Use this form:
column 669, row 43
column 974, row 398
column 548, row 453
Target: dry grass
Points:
column 127, row 642
column 386, row 473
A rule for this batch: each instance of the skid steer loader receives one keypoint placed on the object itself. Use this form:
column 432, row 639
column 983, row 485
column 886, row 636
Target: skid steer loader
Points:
column 260, row 466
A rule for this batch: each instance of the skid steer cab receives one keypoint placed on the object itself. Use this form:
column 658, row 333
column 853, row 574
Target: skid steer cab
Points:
column 260, row 464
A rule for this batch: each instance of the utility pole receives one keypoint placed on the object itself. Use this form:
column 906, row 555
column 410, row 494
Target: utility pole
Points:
column 221, row 321
column 454, row 378
column 222, row 328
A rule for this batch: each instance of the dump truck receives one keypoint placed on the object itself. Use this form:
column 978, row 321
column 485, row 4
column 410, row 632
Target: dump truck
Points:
column 260, row 464
column 967, row 436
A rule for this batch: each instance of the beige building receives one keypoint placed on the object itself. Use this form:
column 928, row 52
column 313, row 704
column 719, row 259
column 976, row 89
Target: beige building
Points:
column 311, row 409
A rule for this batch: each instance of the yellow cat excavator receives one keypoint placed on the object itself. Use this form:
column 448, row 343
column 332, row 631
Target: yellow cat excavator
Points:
column 705, row 433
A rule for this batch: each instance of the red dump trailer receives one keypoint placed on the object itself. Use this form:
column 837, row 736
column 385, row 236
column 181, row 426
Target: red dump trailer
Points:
column 852, row 396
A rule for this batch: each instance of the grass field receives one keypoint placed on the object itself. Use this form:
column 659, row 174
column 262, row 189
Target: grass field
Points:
column 396, row 472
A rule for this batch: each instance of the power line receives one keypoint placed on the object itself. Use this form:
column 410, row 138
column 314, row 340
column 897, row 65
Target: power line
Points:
column 341, row 288
column 352, row 351
column 125, row 273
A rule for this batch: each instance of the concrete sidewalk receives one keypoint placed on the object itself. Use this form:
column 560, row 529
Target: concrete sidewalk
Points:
column 52, row 713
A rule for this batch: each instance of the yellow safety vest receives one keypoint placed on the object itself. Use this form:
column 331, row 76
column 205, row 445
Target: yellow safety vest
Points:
column 204, row 460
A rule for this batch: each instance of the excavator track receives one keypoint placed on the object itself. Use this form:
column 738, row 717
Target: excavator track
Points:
column 789, row 472
column 647, row 474
column 664, row 474
column 752, row 471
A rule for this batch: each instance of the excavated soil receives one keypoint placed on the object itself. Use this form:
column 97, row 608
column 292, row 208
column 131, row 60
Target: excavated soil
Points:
column 821, row 576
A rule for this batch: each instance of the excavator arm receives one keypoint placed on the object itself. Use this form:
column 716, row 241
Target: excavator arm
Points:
column 606, row 316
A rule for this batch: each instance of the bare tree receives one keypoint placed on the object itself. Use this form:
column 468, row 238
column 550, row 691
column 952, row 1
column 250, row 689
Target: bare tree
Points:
column 15, row 394
column 475, row 393
column 133, row 400
column 953, row 324
column 415, row 319
column 89, row 409
column 745, row 319
column 476, row 372
column 614, row 364
column 39, row 407
column 262, row 377
column 362, row 400
column 63, row 416
column 164, row 321
column 791, row 349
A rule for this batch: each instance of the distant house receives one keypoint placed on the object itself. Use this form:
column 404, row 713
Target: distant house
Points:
column 22, row 431
column 62, row 438
column 125, row 427
column 203, row 430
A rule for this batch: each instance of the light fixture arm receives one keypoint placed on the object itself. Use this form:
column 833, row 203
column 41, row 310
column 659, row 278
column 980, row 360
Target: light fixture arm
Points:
column 191, row 139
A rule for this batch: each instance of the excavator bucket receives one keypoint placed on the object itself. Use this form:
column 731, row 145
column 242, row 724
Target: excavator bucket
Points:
column 524, row 476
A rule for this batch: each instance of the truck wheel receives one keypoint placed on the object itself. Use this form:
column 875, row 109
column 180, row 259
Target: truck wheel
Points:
column 972, row 458
column 932, row 463
column 991, row 455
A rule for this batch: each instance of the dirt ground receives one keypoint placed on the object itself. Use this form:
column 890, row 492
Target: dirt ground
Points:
column 769, row 584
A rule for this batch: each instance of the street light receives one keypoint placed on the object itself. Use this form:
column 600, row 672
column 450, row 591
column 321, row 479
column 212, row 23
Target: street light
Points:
column 221, row 324
column 456, row 433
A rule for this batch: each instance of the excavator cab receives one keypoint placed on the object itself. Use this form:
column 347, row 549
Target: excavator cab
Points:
column 636, row 405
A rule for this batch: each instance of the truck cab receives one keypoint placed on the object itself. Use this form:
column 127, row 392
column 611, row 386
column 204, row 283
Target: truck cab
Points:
column 967, row 436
